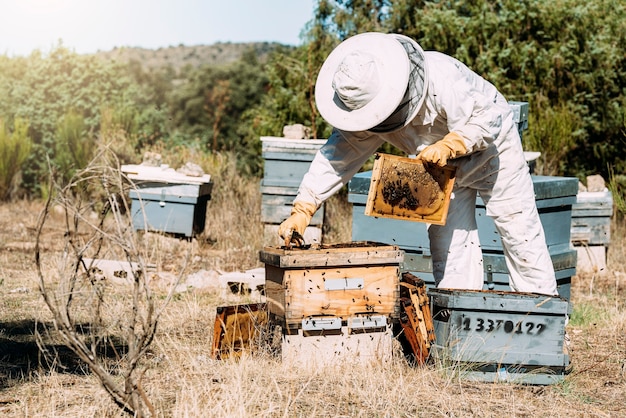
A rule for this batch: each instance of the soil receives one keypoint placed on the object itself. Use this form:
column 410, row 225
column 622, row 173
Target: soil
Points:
column 595, row 386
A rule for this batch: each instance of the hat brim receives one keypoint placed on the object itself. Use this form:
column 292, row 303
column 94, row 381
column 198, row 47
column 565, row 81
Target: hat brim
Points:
column 393, row 67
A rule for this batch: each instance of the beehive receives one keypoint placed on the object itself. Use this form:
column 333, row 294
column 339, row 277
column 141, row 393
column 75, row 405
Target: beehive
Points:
column 501, row 336
column 339, row 280
column 335, row 303
column 285, row 162
column 164, row 200
column 591, row 229
column 554, row 197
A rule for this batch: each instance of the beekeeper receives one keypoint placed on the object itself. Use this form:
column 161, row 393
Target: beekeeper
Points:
column 375, row 88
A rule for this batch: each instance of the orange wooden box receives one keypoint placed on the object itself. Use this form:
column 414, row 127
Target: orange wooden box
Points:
column 340, row 280
column 404, row 188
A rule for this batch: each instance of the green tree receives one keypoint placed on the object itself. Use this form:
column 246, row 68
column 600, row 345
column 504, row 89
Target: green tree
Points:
column 43, row 88
column 565, row 58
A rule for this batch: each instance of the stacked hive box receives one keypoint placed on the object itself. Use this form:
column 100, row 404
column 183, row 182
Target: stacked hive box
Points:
column 554, row 197
column 591, row 229
column 500, row 336
column 334, row 303
column 167, row 201
column 285, row 163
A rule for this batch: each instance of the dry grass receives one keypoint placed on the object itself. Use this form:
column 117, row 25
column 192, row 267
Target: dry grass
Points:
column 183, row 381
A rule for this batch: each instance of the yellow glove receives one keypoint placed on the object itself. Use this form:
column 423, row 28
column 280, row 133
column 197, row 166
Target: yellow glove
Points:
column 452, row 145
column 293, row 227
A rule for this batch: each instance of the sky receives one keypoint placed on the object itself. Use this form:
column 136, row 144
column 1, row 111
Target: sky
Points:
column 88, row 26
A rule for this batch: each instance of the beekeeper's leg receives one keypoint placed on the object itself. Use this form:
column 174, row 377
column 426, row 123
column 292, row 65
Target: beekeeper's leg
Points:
column 528, row 260
column 455, row 247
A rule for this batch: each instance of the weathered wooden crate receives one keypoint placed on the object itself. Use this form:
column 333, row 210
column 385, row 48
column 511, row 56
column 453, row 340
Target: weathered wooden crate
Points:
column 287, row 160
column 591, row 229
column 496, row 336
column 332, row 341
column 554, row 197
column 341, row 280
column 238, row 329
column 496, row 271
column 167, row 201
column 407, row 189
column 591, row 218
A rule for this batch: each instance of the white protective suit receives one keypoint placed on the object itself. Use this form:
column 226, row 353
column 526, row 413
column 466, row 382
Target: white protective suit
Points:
column 459, row 100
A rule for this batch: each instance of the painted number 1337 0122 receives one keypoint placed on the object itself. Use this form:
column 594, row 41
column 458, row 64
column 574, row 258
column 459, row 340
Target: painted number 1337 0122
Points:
column 502, row 325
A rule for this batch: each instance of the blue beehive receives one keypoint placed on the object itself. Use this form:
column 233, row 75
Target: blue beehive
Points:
column 285, row 162
column 494, row 336
column 554, row 197
column 164, row 200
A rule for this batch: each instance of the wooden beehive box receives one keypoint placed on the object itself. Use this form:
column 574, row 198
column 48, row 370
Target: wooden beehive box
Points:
column 405, row 188
column 591, row 218
column 339, row 281
column 496, row 271
column 501, row 336
column 361, row 340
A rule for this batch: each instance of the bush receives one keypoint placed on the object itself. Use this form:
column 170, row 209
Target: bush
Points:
column 14, row 150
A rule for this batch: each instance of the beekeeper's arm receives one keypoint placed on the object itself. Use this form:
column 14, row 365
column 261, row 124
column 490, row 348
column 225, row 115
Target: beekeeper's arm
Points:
column 470, row 106
column 332, row 167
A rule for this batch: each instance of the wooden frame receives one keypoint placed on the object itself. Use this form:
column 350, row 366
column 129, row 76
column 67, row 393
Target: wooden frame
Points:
column 378, row 205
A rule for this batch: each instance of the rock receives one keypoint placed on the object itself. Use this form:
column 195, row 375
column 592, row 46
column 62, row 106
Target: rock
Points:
column 204, row 279
column 297, row 131
column 152, row 159
column 191, row 169
column 595, row 183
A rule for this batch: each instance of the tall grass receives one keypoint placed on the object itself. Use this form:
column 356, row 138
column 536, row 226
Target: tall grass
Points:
column 182, row 380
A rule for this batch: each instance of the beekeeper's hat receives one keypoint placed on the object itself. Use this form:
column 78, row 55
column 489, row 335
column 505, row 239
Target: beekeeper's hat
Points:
column 372, row 81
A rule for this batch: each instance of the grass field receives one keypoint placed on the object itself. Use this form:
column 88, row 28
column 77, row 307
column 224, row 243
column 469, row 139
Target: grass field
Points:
column 41, row 377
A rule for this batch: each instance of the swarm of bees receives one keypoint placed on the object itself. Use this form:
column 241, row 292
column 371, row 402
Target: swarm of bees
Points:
column 411, row 187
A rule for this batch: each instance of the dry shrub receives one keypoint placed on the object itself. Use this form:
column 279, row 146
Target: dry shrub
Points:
column 109, row 331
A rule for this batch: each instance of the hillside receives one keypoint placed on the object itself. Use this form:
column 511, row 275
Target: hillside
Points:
column 180, row 56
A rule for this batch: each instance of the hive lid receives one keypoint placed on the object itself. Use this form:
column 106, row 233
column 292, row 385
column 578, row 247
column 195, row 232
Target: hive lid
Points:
column 163, row 174
column 328, row 255
column 498, row 300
